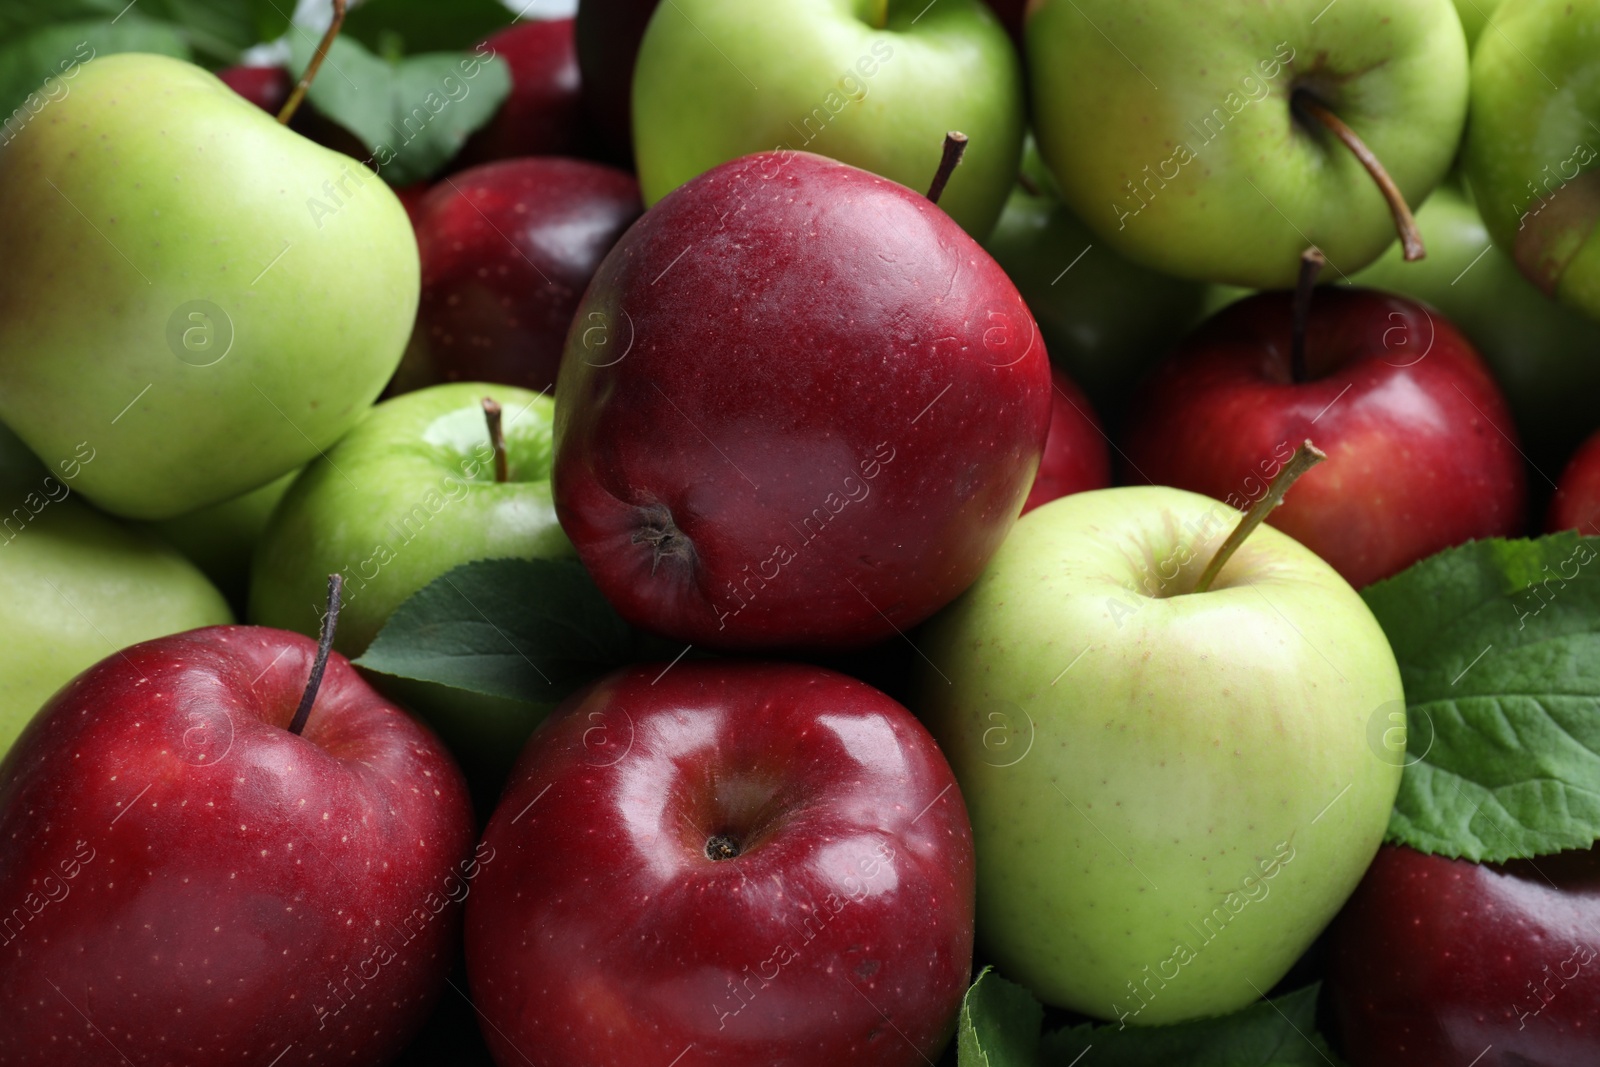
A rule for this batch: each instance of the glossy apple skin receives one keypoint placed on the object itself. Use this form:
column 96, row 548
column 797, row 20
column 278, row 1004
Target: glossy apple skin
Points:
column 543, row 115
column 608, row 33
column 230, row 871
column 1421, row 450
column 784, row 339
column 1435, row 961
column 603, row 934
column 507, row 251
column 1076, row 454
column 1576, row 504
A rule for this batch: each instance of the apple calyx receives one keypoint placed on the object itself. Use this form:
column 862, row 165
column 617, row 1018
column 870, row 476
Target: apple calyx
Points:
column 330, row 622
column 1311, row 261
column 291, row 105
column 955, row 146
column 1305, row 457
column 722, row 847
column 1405, row 225
column 657, row 530
column 497, row 438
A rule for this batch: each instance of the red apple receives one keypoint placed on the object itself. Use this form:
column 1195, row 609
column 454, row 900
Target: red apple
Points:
column 608, row 35
column 507, row 250
column 266, row 87
column 185, row 882
column 764, row 863
column 798, row 407
column 1576, row 504
column 1438, row 962
column 1076, row 456
column 543, row 115
column 1011, row 14
column 1422, row 453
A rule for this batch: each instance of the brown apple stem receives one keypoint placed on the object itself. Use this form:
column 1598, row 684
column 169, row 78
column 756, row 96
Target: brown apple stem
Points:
column 291, row 105
column 1311, row 261
column 880, row 14
column 497, row 438
column 955, row 146
column 1029, row 186
column 1404, row 224
column 1305, row 457
column 330, row 622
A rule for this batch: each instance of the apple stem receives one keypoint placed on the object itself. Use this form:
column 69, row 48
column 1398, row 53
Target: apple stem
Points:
column 1305, row 457
column 291, row 105
column 330, row 622
column 1029, row 186
column 880, row 14
column 497, row 438
column 1404, row 224
column 1311, row 261
column 955, row 146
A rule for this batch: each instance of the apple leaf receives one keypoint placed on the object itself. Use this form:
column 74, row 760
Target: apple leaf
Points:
column 999, row 1027
column 406, row 26
column 220, row 30
column 38, row 67
column 412, row 115
column 532, row 630
column 1499, row 649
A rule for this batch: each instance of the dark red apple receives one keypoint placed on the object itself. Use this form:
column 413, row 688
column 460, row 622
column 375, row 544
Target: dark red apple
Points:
column 266, row 87
column 1576, row 504
column 1422, row 453
column 1011, row 14
column 725, row 863
column 187, row 883
column 543, row 115
column 799, row 407
column 507, row 250
column 1437, row 962
column 1076, row 455
column 608, row 35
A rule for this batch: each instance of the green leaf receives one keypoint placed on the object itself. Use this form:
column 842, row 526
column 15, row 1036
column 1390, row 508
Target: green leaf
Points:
column 425, row 25
column 532, row 630
column 1270, row 1033
column 38, row 67
column 217, row 29
column 999, row 1025
column 1499, row 650
column 414, row 115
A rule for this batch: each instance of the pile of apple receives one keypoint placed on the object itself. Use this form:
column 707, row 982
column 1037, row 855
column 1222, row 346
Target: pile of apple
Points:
column 612, row 433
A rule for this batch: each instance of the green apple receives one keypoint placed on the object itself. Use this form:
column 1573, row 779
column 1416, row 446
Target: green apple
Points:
column 221, row 539
column 1103, row 319
column 1171, row 792
column 75, row 587
column 1543, row 355
column 1474, row 17
column 874, row 83
column 407, row 495
column 206, row 297
column 1171, row 130
column 1533, row 150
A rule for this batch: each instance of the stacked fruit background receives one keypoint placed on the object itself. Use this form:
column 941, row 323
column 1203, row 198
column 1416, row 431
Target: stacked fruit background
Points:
column 811, row 533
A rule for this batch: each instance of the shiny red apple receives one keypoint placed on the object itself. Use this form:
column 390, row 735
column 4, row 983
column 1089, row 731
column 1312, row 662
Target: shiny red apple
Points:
column 1576, row 504
column 266, row 87
column 1439, row 962
column 1422, row 453
column 725, row 863
column 543, row 114
column 799, row 407
column 1076, row 455
column 187, row 883
column 507, row 250
column 608, row 35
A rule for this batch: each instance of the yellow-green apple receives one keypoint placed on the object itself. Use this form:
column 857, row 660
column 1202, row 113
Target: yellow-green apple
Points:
column 410, row 493
column 207, row 297
column 1172, row 791
column 1200, row 144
